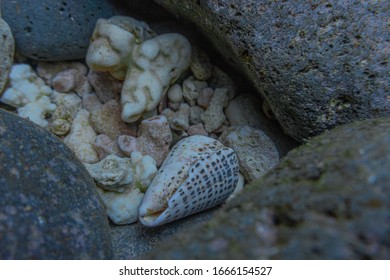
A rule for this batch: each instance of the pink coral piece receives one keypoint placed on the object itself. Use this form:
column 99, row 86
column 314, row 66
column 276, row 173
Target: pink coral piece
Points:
column 154, row 139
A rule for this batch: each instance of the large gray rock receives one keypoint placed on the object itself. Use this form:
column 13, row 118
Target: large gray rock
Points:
column 318, row 63
column 49, row 208
column 7, row 47
column 329, row 199
column 56, row 29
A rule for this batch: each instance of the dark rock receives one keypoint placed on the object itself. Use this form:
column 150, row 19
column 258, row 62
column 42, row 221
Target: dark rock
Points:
column 49, row 208
column 328, row 199
column 134, row 240
column 57, row 29
column 319, row 64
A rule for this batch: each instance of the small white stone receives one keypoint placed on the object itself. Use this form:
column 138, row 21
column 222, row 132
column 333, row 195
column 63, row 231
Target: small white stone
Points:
column 81, row 138
column 214, row 116
column 175, row 93
column 112, row 173
column 181, row 119
column 256, row 152
column 190, row 91
column 195, row 115
column 122, row 208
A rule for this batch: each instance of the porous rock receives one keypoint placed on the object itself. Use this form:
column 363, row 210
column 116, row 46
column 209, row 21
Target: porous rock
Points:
column 181, row 119
column 55, row 30
column 328, row 199
column 105, row 146
column 106, row 86
column 49, row 208
column 256, row 152
column 107, row 120
column 319, row 64
column 214, row 116
column 7, row 48
column 154, row 139
column 81, row 138
column 245, row 110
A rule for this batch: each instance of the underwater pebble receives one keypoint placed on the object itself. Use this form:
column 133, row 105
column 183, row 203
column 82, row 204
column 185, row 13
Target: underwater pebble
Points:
column 122, row 208
column 154, row 139
column 81, row 138
column 175, row 93
column 245, row 110
column 221, row 80
column 205, row 96
column 105, row 146
column 181, row 119
column 197, row 129
column 105, row 85
column 47, row 70
column 214, row 116
column 256, row 152
column 195, row 114
column 200, row 64
column 122, row 183
column 173, row 106
column 68, row 104
column 91, row 102
column 66, row 80
column 190, row 91
column 107, row 120
column 112, row 173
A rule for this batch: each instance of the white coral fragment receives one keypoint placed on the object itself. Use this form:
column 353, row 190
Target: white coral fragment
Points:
column 81, row 138
column 123, row 46
column 122, row 183
column 157, row 63
column 29, row 94
column 112, row 173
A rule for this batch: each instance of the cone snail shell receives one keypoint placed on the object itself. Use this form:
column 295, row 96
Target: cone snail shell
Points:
column 198, row 173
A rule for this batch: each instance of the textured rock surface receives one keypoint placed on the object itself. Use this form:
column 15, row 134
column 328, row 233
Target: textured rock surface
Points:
column 7, row 48
column 318, row 63
column 244, row 110
column 55, row 30
column 256, row 152
column 49, row 208
column 328, row 199
column 135, row 240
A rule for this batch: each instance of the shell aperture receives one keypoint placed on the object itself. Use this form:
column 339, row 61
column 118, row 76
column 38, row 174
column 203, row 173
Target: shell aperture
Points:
column 198, row 173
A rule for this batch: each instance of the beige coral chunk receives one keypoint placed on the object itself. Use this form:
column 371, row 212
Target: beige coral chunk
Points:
column 124, row 181
column 122, row 208
column 154, row 139
column 214, row 116
column 68, row 104
column 7, row 48
column 82, row 137
column 47, row 70
column 106, row 86
column 107, row 120
column 112, row 173
column 200, row 64
column 113, row 40
column 156, row 63
column 105, row 146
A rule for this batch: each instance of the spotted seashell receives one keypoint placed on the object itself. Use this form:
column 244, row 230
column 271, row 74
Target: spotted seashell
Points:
column 198, row 173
